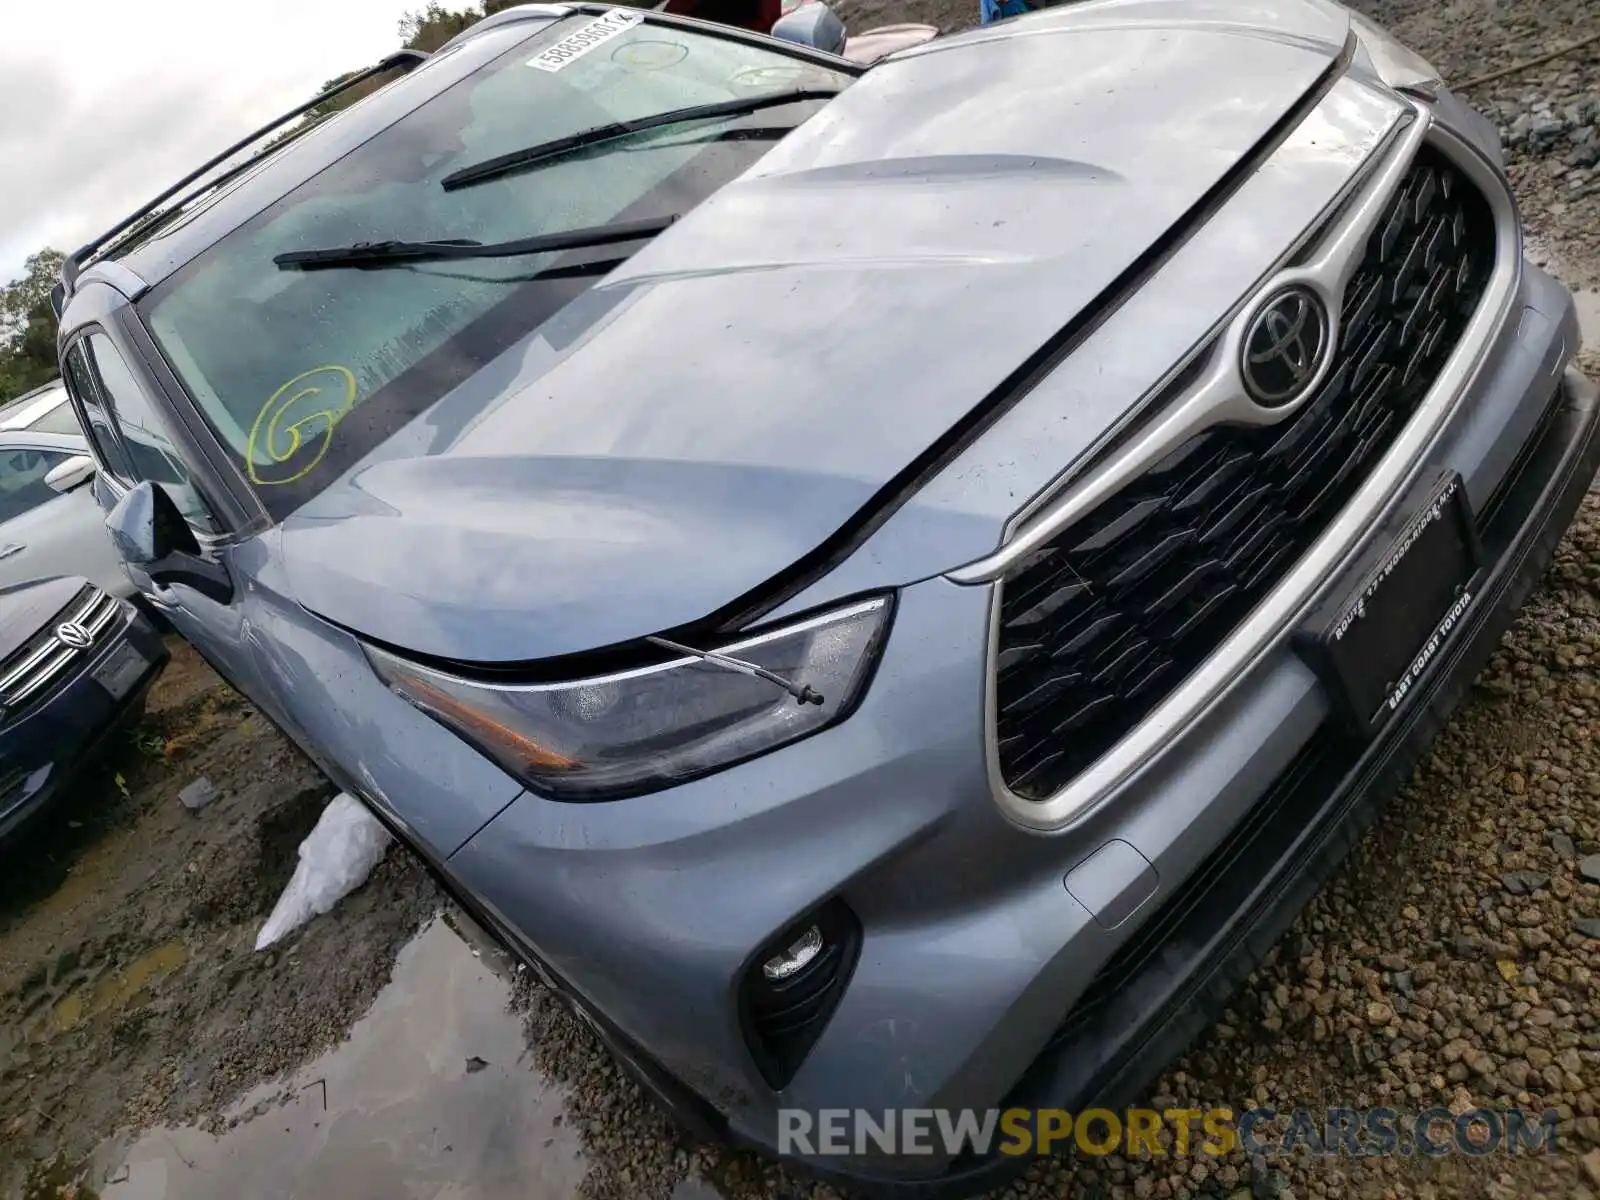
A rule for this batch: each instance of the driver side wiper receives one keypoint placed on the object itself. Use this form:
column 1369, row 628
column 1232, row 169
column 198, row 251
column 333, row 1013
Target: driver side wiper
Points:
column 516, row 160
column 365, row 254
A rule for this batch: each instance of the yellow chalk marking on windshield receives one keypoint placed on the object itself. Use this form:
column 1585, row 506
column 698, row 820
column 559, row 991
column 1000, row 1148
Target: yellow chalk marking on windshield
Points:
column 277, row 438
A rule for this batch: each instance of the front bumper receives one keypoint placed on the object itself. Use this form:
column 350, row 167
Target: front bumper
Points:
column 1189, row 958
column 49, row 746
column 649, row 911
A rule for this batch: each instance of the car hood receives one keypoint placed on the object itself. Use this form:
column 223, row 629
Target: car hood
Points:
column 27, row 608
column 795, row 353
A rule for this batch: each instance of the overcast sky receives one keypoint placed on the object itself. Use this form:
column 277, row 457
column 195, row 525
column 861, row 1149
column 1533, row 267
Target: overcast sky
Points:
column 105, row 102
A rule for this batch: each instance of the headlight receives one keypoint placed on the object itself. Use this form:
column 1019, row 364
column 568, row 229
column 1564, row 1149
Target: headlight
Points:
column 1399, row 66
column 636, row 731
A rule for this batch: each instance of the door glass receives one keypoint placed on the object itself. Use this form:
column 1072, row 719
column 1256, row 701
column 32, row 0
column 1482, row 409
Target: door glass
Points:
column 22, row 485
column 97, row 425
column 145, row 444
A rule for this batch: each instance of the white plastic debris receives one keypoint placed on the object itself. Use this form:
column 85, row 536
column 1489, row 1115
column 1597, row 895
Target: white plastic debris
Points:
column 335, row 859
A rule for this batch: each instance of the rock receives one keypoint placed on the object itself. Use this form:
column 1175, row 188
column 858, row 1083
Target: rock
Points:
column 198, row 794
column 1524, row 882
column 1589, row 868
column 1545, row 131
column 1563, row 846
column 1379, row 1013
column 1591, row 1166
column 1583, row 156
column 1589, row 927
column 1266, row 1183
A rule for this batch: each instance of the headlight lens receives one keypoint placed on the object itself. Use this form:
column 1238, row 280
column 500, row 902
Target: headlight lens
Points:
column 637, row 731
column 1399, row 66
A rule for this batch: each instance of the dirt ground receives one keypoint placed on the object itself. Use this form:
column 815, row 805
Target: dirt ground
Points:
column 130, row 991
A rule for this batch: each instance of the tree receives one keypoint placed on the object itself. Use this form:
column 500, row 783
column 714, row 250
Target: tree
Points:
column 28, row 326
column 433, row 26
column 425, row 29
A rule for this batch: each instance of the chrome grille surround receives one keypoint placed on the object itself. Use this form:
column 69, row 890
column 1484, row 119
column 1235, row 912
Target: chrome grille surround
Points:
column 1200, row 395
column 29, row 676
column 1118, row 608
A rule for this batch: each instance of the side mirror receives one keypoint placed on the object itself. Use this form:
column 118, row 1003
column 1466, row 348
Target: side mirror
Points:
column 152, row 537
column 812, row 24
column 74, row 473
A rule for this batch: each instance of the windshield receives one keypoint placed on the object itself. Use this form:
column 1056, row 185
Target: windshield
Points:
column 301, row 373
column 58, row 419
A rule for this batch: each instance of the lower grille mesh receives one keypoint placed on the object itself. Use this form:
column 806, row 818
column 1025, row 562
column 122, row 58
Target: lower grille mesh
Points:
column 1100, row 624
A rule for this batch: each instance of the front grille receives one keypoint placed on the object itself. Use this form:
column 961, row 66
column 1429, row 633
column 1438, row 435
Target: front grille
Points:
column 1100, row 624
column 30, row 675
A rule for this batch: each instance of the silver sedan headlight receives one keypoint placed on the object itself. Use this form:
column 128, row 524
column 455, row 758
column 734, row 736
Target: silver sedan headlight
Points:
column 640, row 730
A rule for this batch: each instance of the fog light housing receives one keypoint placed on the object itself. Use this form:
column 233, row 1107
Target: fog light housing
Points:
column 792, row 987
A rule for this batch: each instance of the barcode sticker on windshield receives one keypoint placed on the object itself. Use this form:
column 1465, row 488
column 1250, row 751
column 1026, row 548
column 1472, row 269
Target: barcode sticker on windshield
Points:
column 575, row 45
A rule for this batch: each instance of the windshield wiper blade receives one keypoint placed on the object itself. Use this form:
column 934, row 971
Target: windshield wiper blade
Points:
column 371, row 254
column 528, row 156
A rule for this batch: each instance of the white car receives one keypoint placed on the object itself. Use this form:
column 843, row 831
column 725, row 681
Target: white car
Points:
column 49, row 521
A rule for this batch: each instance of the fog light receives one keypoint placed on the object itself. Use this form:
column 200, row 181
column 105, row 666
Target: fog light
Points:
column 804, row 971
column 805, row 948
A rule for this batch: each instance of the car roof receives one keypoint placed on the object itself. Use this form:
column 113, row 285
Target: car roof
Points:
column 71, row 443
column 34, row 406
column 213, row 216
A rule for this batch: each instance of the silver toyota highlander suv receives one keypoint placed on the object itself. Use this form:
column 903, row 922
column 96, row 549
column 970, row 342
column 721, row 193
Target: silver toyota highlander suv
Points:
column 888, row 586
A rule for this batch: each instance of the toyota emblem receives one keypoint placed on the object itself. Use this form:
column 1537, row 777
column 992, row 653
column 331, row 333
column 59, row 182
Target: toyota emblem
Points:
column 1285, row 347
column 70, row 633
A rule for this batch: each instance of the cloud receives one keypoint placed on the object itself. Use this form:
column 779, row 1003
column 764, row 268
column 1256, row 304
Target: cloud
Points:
column 106, row 103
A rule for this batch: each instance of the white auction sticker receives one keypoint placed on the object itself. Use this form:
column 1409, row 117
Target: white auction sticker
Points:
column 576, row 45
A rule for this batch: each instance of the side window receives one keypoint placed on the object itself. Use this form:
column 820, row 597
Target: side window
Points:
column 145, row 446
column 22, row 485
column 97, row 425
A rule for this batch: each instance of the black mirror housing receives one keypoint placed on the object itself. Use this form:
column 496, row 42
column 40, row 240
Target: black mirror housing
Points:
column 152, row 537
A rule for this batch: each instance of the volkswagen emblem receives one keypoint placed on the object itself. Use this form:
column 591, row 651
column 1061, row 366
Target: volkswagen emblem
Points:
column 1285, row 347
column 70, row 633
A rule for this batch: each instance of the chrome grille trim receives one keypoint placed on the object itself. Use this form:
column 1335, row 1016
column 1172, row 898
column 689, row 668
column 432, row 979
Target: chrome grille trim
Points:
column 41, row 677
column 45, row 658
column 1127, row 602
column 1263, row 631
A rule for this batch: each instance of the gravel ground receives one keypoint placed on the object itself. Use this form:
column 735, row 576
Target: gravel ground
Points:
column 1450, row 962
